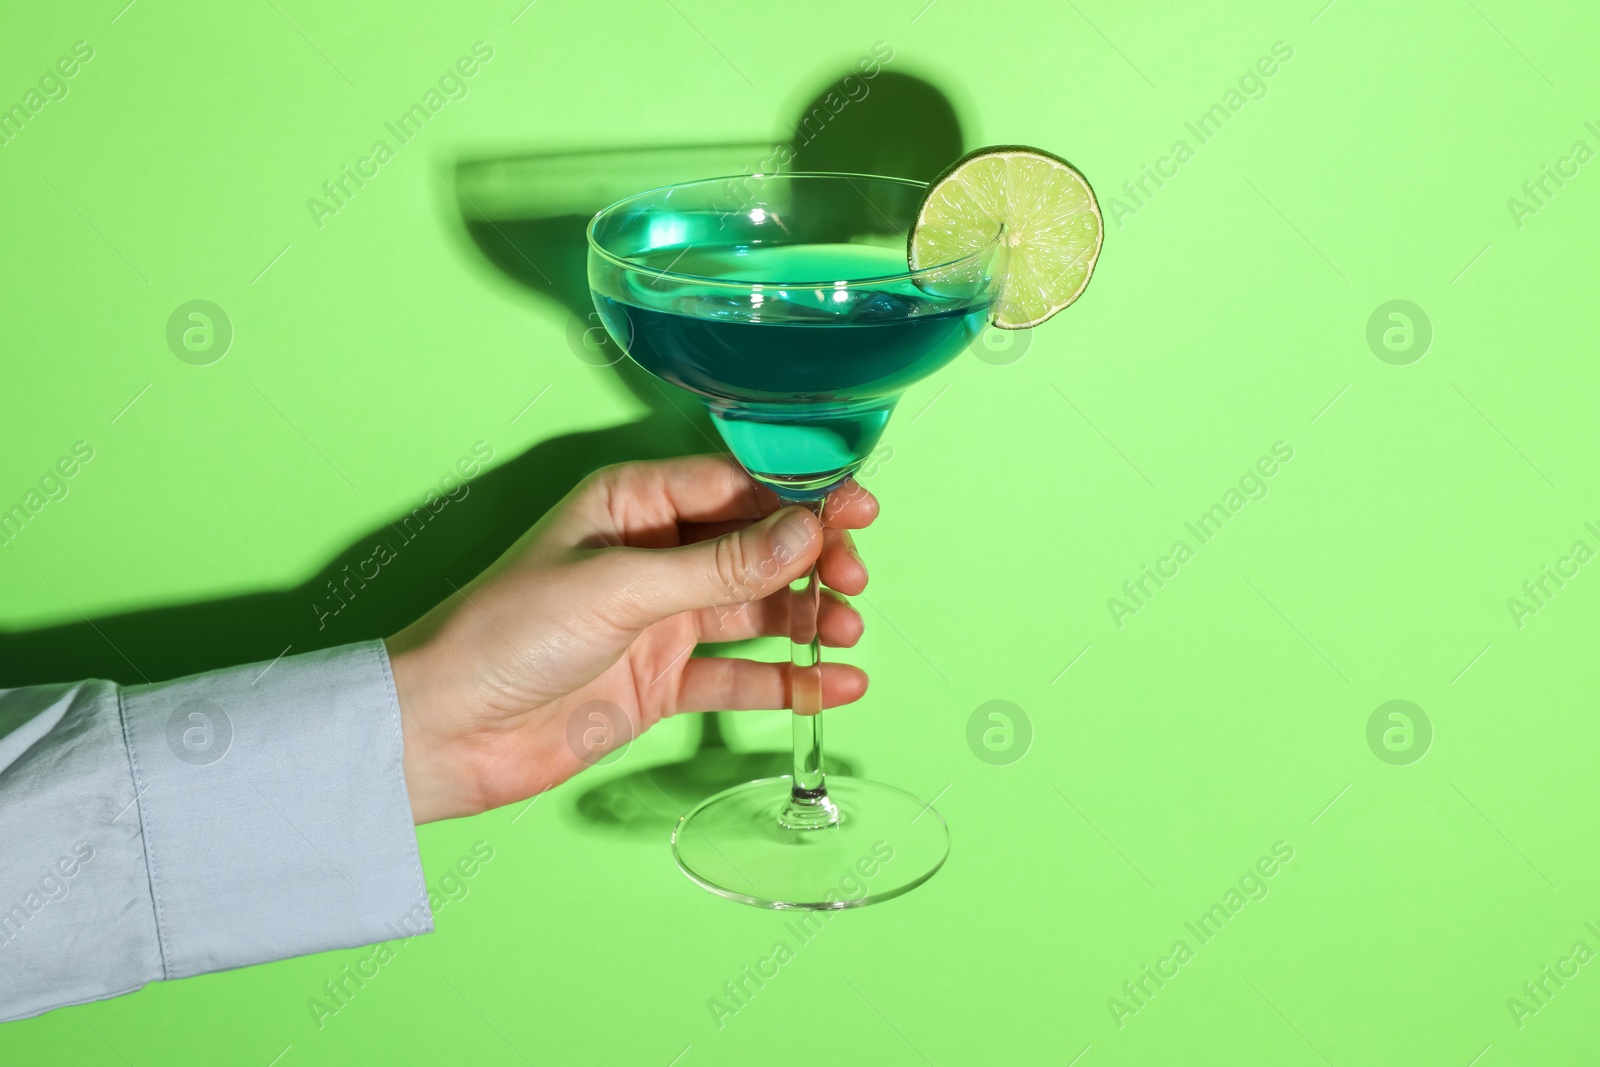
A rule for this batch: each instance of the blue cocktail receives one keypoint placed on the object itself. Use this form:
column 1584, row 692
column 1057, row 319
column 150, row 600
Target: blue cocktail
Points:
column 786, row 304
column 799, row 378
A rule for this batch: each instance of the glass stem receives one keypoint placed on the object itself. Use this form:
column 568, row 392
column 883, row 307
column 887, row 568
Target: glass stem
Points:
column 809, row 807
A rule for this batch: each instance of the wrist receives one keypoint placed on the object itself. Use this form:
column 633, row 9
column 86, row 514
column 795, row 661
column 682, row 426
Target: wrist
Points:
column 430, row 782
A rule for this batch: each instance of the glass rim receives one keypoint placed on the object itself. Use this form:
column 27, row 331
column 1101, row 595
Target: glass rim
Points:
column 910, row 274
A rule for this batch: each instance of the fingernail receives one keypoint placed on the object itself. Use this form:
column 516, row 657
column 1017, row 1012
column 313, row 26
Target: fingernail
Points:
column 793, row 533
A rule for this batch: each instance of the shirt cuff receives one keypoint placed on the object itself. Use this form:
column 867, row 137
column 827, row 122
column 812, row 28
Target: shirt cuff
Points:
column 274, row 810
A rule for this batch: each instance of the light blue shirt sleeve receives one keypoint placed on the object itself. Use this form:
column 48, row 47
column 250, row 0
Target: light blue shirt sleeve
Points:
column 229, row 818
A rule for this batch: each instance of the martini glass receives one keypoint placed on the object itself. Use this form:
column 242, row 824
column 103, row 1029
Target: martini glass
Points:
column 785, row 303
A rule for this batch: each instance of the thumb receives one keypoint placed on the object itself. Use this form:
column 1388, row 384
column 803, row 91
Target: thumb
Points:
column 740, row 567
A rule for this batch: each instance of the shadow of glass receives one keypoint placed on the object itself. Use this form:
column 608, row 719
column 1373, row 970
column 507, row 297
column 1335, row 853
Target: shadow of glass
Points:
column 523, row 220
column 528, row 216
column 648, row 802
column 895, row 124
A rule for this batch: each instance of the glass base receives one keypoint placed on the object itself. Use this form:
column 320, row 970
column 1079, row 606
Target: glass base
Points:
column 886, row 842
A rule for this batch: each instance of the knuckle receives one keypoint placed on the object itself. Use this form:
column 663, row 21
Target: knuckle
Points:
column 604, row 478
column 728, row 568
column 594, row 487
column 611, row 490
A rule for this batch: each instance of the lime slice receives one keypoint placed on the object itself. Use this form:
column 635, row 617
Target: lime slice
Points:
column 1053, row 227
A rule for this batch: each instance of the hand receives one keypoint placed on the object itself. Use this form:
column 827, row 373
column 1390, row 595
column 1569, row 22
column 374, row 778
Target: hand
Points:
column 604, row 599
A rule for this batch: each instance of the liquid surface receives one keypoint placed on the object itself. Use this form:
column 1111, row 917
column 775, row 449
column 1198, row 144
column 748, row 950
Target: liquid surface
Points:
column 800, row 380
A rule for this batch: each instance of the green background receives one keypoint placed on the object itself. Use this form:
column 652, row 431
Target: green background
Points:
column 1230, row 311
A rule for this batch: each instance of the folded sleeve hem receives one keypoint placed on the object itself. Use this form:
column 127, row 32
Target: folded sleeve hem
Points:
column 277, row 821
column 138, row 802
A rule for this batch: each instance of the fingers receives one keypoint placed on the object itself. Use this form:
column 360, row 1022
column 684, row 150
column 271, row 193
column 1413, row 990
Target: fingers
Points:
column 649, row 498
column 689, row 489
column 635, row 587
column 716, row 684
column 840, row 564
column 838, row 624
column 662, row 509
column 850, row 507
